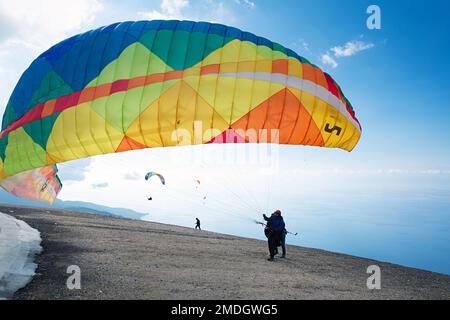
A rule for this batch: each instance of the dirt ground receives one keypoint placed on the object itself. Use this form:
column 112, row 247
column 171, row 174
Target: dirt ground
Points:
column 130, row 259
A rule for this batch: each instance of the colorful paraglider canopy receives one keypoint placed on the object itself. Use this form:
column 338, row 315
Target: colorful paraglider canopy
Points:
column 152, row 174
column 150, row 84
column 42, row 183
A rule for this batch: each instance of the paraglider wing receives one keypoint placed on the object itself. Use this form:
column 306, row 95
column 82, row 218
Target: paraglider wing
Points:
column 148, row 84
column 42, row 184
column 151, row 174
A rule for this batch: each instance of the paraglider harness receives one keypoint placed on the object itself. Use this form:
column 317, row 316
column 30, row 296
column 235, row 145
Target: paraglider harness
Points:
column 268, row 231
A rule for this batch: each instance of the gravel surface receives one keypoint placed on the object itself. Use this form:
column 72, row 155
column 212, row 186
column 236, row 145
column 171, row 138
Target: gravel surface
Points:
column 131, row 259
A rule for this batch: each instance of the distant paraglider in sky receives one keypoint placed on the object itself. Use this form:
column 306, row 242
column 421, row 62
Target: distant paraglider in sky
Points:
column 154, row 174
column 146, row 84
column 151, row 174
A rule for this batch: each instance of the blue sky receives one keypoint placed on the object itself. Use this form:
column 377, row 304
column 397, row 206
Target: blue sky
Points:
column 398, row 84
column 397, row 79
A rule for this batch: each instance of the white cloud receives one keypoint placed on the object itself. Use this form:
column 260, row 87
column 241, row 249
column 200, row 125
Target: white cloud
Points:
column 29, row 27
column 169, row 9
column 301, row 45
column 327, row 59
column 217, row 12
column 132, row 176
column 305, row 45
column 246, row 3
column 174, row 7
column 351, row 48
column 5, row 25
column 45, row 22
column 347, row 50
column 74, row 170
column 100, row 185
column 206, row 10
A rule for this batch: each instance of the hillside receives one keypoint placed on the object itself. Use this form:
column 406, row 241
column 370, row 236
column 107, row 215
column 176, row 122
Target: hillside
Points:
column 128, row 259
column 7, row 198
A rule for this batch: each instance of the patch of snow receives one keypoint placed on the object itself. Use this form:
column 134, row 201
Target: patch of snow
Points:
column 19, row 243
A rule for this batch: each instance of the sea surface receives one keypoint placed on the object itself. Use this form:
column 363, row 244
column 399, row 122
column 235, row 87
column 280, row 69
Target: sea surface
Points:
column 398, row 218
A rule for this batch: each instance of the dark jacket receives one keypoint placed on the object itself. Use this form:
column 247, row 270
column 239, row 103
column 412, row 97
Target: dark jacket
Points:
column 275, row 223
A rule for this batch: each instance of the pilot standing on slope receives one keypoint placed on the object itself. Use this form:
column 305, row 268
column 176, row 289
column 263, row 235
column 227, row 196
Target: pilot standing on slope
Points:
column 275, row 224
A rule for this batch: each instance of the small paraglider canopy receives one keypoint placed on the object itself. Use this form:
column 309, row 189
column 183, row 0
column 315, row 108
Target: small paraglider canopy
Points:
column 151, row 174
